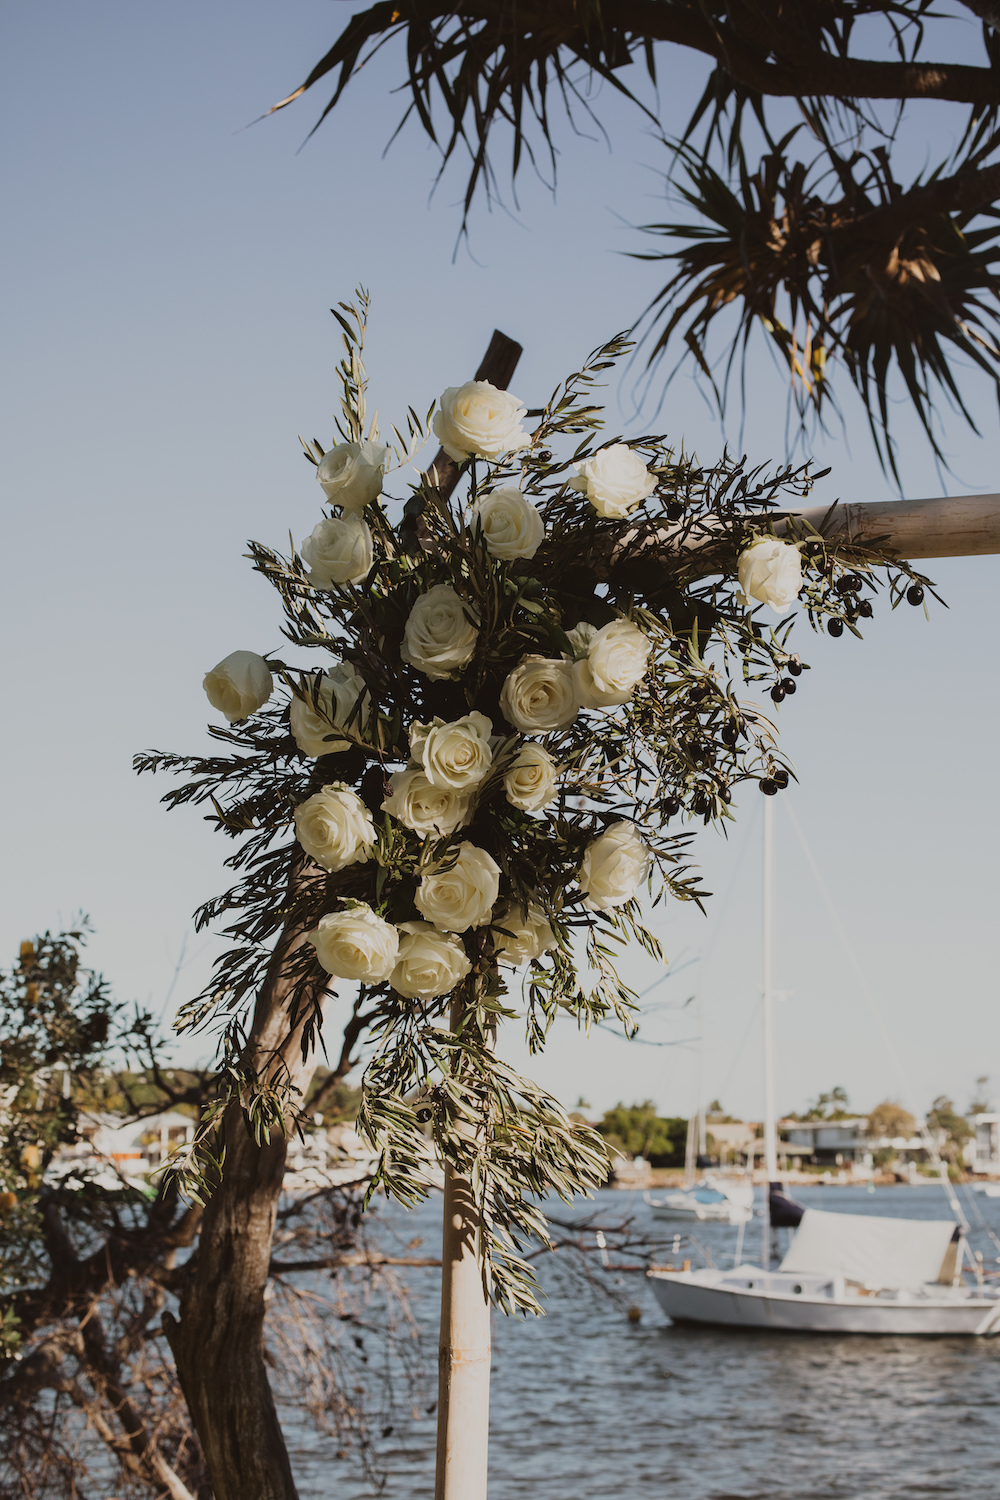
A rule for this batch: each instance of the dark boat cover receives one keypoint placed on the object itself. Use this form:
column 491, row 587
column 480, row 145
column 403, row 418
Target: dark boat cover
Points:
column 785, row 1212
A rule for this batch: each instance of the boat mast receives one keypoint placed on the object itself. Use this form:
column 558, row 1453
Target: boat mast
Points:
column 702, row 1130
column 770, row 1129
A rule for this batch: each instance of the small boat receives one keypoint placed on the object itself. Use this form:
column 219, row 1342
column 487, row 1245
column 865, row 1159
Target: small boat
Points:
column 710, row 1201
column 988, row 1189
column 844, row 1273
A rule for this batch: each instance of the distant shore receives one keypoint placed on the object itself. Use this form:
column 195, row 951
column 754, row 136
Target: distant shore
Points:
column 662, row 1177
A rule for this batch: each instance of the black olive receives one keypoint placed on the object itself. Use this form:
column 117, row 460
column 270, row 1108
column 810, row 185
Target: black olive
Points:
column 545, row 456
column 674, row 510
column 795, row 667
column 788, row 684
column 778, row 692
column 835, row 627
column 423, row 1115
column 768, row 786
column 730, row 734
column 672, row 806
column 814, row 548
column 701, row 803
column 915, row 594
column 724, row 794
column 699, row 691
column 865, row 609
column 780, row 779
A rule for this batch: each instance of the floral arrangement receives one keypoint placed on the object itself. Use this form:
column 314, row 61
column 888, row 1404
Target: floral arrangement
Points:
column 526, row 693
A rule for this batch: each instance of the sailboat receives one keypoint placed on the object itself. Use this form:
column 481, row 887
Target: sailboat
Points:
column 843, row 1273
column 711, row 1199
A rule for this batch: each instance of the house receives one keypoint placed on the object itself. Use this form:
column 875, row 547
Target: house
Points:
column 827, row 1143
column 115, row 1146
column 836, row 1143
column 730, row 1140
column 982, row 1154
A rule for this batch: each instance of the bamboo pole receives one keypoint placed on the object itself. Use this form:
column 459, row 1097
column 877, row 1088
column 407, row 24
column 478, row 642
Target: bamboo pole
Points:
column 464, row 1349
column 950, row 526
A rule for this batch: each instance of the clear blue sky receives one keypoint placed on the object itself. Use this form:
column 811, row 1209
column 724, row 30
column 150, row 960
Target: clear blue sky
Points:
column 166, row 336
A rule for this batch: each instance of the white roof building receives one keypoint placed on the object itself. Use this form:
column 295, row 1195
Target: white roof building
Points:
column 982, row 1154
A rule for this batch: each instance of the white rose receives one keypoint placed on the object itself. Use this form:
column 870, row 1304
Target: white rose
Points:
column 338, row 550
column 429, row 964
column 351, row 473
column 527, row 934
column 418, row 804
column 614, row 866
column 461, row 892
column 335, row 827
column 477, row 419
column 616, row 661
column 512, row 526
column 439, row 638
column 356, row 944
column 239, row 685
column 771, row 571
column 531, row 780
column 540, row 695
column 339, row 690
column 614, row 480
column 457, row 755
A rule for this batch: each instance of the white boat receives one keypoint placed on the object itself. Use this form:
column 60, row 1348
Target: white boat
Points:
column 844, row 1273
column 712, row 1200
column 988, row 1189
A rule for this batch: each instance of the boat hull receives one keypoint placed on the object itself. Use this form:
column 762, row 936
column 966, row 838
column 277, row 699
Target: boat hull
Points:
column 729, row 1213
column 700, row 1297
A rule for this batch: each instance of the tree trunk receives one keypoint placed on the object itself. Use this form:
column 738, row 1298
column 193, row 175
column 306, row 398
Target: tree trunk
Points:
column 218, row 1344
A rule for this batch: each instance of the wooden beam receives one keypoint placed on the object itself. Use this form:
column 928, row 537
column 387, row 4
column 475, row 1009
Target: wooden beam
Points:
column 966, row 526
column 962, row 526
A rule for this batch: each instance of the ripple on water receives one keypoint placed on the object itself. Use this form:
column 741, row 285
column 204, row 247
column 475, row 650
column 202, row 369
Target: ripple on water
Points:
column 589, row 1407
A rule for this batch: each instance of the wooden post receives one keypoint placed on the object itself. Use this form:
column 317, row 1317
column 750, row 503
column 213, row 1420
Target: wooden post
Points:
column 464, row 1350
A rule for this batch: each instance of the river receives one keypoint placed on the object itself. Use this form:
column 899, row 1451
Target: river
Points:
column 588, row 1406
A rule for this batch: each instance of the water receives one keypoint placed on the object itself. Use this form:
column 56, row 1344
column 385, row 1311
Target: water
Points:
column 587, row 1406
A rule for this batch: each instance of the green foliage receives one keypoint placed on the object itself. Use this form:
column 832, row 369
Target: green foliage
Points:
column 849, row 281
column 337, row 1103
column 90, row 1401
column 58, row 1023
column 892, row 1120
column 942, row 1115
column 638, row 1131
column 669, row 757
column 717, row 1115
column 832, row 256
column 831, row 1106
column 981, row 1103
